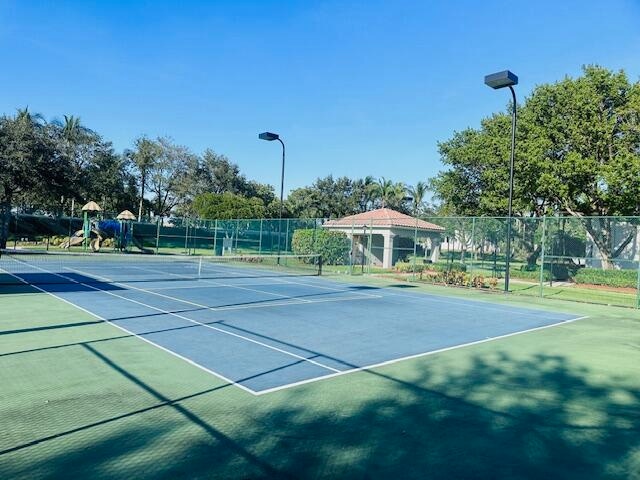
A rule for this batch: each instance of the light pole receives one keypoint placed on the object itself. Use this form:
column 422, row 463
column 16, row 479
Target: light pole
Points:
column 271, row 137
column 495, row 81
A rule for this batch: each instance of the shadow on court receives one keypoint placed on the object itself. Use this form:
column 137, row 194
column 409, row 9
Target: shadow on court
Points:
column 497, row 417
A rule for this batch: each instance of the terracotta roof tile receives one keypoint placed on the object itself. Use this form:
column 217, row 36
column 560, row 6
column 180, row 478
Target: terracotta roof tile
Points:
column 383, row 217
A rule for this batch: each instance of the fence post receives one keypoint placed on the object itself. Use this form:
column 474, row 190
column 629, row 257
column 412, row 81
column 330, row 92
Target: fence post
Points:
column 158, row 221
column 352, row 245
column 215, row 237
column 260, row 239
column 70, row 228
column 473, row 244
column 544, row 237
column 638, row 281
column 286, row 238
column 235, row 248
column 415, row 251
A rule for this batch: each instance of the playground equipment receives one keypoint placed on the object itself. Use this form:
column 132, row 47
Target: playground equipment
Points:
column 89, row 210
column 95, row 231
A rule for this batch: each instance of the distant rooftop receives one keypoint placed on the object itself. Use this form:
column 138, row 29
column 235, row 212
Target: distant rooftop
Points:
column 383, row 217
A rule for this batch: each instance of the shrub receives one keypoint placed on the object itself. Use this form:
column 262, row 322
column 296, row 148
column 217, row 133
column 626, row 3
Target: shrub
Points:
column 409, row 267
column 525, row 274
column 445, row 267
column 610, row 278
column 333, row 246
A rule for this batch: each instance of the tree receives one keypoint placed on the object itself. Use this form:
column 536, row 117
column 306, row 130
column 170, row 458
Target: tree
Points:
column 328, row 198
column 218, row 175
column 418, row 193
column 387, row 194
column 585, row 136
column 166, row 174
column 227, row 206
column 28, row 162
column 578, row 149
column 109, row 179
column 144, row 157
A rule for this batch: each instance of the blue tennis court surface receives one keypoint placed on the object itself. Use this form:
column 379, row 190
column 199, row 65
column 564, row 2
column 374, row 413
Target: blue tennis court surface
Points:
column 265, row 332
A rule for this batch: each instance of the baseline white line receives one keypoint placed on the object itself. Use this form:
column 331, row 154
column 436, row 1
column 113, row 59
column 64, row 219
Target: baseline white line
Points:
column 226, row 332
column 417, row 355
column 171, row 352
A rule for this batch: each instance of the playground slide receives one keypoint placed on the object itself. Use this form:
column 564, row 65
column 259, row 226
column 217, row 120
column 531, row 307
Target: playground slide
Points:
column 138, row 243
column 76, row 239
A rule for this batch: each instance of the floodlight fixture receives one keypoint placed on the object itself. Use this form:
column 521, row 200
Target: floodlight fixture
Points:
column 501, row 79
column 268, row 136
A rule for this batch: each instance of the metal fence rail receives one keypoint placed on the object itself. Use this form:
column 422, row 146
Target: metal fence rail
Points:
column 588, row 259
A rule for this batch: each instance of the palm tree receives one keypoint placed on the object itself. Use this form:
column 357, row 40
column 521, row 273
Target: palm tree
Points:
column 364, row 188
column 383, row 190
column 418, row 192
column 145, row 156
column 35, row 119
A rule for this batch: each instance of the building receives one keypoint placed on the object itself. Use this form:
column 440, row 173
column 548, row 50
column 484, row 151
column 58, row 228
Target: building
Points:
column 382, row 237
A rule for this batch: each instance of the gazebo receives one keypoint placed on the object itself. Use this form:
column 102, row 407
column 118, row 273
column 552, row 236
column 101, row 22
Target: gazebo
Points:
column 383, row 235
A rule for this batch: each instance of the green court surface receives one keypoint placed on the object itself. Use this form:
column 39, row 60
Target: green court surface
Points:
column 81, row 398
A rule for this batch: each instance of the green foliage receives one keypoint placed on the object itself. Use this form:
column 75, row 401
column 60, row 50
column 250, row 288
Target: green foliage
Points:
column 227, row 206
column 330, row 198
column 534, row 275
column 610, row 278
column 578, row 149
column 409, row 266
column 333, row 246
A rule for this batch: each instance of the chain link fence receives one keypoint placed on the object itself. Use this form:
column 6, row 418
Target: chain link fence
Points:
column 587, row 259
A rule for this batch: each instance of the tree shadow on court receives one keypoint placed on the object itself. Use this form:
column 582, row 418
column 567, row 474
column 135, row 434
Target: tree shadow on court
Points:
column 497, row 416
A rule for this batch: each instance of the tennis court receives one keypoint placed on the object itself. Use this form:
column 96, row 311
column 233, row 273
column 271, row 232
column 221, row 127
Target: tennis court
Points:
column 265, row 323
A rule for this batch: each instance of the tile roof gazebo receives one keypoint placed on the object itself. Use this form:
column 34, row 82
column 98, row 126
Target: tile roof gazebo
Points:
column 384, row 234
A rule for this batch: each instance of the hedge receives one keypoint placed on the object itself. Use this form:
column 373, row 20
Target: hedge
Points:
column 333, row 246
column 610, row 278
column 525, row 274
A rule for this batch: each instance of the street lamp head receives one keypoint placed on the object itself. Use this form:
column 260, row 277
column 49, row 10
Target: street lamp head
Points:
column 501, row 79
column 268, row 136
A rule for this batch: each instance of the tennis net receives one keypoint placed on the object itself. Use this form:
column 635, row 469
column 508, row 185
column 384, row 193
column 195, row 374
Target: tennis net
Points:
column 46, row 267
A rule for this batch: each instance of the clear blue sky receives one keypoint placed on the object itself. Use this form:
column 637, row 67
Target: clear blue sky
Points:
column 354, row 87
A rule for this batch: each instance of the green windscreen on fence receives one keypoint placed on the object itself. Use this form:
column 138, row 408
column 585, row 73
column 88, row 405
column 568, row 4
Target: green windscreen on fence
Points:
column 589, row 259
column 42, row 267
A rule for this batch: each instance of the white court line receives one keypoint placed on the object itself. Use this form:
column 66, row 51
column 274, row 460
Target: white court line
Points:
column 189, row 361
column 205, row 325
column 417, row 355
column 336, row 373
column 293, row 300
column 471, row 303
column 277, row 279
column 220, row 284
column 241, row 287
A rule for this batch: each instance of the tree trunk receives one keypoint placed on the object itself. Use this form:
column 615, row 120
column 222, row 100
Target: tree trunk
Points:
column 142, row 184
column 532, row 257
column 602, row 235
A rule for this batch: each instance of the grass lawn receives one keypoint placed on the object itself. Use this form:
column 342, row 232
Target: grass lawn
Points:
column 80, row 398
